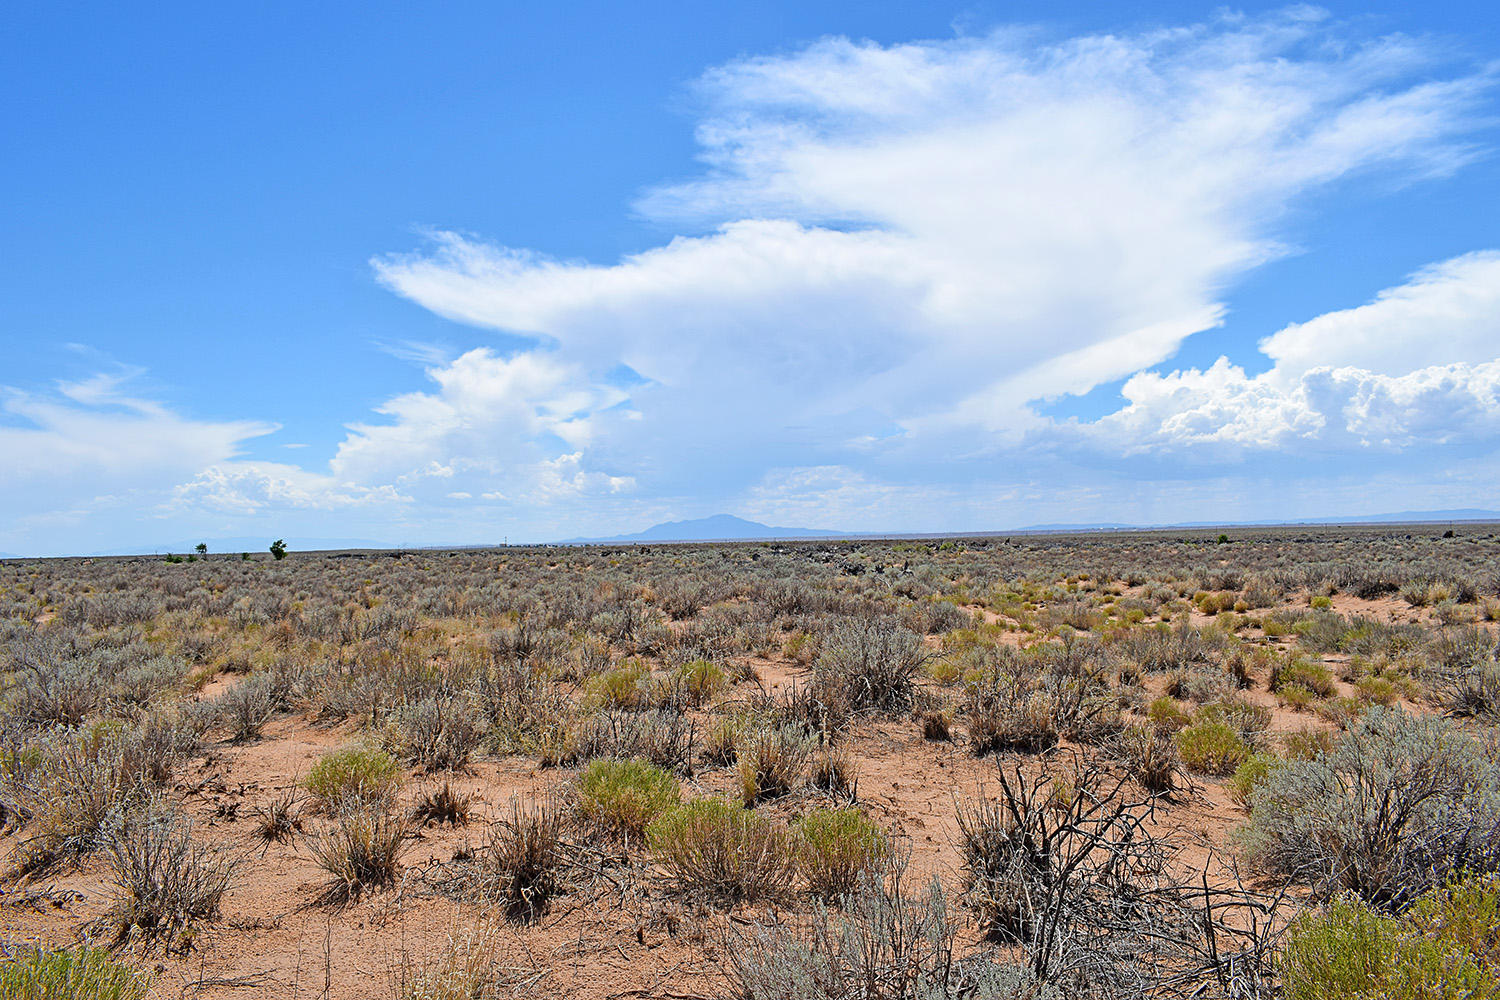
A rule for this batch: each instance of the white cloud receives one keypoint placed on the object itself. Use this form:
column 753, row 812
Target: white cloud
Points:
column 900, row 246
column 1417, row 366
column 1448, row 313
column 565, row 476
column 518, row 422
column 248, row 488
column 91, row 436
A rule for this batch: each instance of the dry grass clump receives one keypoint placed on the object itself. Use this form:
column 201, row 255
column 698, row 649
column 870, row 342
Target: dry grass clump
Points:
column 771, row 762
column 937, row 726
column 721, row 848
column 662, row 738
column 361, row 850
column 884, row 942
column 999, row 868
column 1151, row 757
column 1002, row 720
column 279, row 818
column 443, row 805
column 526, row 857
column 833, row 771
column 67, row 786
column 472, row 967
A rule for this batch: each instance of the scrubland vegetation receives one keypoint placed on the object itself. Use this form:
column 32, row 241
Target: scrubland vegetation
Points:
column 1247, row 765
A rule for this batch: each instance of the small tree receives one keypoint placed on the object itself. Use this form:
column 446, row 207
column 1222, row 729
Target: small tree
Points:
column 278, row 549
column 201, row 548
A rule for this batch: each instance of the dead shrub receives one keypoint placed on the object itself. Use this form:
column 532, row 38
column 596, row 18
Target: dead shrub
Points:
column 164, row 882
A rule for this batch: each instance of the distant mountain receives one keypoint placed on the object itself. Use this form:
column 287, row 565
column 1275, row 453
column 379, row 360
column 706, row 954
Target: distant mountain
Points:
column 1395, row 517
column 1091, row 526
column 717, row 528
column 1416, row 516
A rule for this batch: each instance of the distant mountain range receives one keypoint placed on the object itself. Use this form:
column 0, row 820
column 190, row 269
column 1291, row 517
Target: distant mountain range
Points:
column 727, row 527
column 1396, row 517
column 716, row 528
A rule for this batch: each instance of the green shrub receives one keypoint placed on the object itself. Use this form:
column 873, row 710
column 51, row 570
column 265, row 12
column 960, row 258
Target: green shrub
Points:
column 1166, row 713
column 1249, row 776
column 624, row 796
column 352, row 777
column 1250, row 722
column 1398, row 805
column 700, row 680
column 1211, row 748
column 1464, row 916
column 1307, row 744
column 626, row 686
column 721, row 848
column 1311, row 675
column 80, row 973
column 835, row 848
column 1297, row 697
column 1378, row 690
column 1350, row 952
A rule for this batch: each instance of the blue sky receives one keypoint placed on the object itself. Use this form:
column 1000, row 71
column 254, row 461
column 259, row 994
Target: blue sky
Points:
column 447, row 273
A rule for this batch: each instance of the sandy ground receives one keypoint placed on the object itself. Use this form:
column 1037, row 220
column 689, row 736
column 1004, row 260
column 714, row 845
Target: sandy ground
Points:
column 620, row 932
